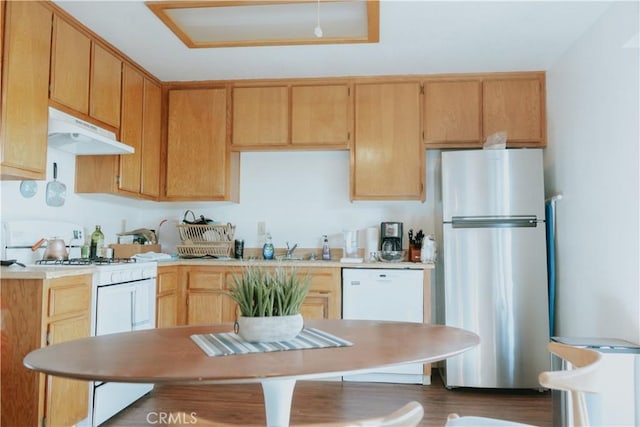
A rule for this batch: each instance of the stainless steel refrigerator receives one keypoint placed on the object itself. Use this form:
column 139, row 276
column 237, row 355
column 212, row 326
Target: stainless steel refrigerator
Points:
column 494, row 265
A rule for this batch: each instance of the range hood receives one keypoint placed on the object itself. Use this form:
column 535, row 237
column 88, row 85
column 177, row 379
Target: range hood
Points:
column 76, row 136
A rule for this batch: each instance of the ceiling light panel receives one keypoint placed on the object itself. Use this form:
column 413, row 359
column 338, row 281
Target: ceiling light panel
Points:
column 220, row 24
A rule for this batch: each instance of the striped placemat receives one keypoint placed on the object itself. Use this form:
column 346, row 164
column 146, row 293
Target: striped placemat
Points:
column 227, row 343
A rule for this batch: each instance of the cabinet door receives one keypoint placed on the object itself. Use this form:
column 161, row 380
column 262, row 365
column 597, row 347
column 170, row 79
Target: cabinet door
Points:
column 452, row 113
column 25, row 85
column 167, row 297
column 388, row 157
column 106, row 78
column 151, row 129
column 260, row 116
column 204, row 307
column 70, row 61
column 516, row 106
column 205, row 298
column 66, row 401
column 196, row 145
column 315, row 306
column 131, row 132
column 321, row 115
column 324, row 300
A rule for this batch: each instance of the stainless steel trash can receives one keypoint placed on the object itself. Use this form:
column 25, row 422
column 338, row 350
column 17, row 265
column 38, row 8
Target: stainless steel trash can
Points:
column 618, row 404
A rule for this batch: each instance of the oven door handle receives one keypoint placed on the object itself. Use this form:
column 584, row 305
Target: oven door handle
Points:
column 135, row 310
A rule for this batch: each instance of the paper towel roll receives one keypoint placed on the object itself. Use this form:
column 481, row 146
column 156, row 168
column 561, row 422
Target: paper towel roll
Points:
column 372, row 243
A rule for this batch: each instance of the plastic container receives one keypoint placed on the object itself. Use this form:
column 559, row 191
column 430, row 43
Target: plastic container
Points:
column 267, row 249
column 326, row 252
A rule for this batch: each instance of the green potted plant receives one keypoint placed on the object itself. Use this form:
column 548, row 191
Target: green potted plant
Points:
column 269, row 303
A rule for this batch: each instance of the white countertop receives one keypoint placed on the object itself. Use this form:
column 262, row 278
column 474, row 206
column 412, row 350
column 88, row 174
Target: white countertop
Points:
column 43, row 272
column 302, row 263
column 52, row 272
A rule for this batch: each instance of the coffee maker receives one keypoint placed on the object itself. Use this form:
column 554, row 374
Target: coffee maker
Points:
column 391, row 236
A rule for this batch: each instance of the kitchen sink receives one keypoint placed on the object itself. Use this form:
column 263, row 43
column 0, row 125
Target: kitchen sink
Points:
column 286, row 258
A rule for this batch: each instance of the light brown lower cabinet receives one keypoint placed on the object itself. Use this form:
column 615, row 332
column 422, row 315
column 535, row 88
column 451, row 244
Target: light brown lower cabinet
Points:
column 37, row 313
column 200, row 297
column 167, row 297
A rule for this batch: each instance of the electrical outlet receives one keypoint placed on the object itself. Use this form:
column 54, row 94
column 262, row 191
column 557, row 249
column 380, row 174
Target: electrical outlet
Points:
column 262, row 231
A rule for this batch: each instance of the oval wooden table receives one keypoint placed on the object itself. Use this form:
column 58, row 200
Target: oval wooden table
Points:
column 168, row 355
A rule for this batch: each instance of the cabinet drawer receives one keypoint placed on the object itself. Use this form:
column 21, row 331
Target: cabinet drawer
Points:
column 69, row 299
column 167, row 281
column 205, row 280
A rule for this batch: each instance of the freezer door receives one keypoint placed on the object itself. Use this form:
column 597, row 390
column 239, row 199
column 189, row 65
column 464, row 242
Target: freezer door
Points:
column 496, row 286
column 496, row 183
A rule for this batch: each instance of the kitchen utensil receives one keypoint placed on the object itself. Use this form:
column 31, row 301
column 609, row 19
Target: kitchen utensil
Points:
column 201, row 220
column 28, row 188
column 56, row 191
column 38, row 244
column 56, row 249
column 10, row 262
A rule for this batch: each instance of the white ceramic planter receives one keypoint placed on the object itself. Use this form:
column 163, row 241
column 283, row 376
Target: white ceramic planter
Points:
column 269, row 329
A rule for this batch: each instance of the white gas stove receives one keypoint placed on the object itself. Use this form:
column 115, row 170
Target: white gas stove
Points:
column 123, row 298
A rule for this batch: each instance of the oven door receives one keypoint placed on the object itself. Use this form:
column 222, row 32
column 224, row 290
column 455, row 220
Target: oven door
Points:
column 125, row 307
column 121, row 308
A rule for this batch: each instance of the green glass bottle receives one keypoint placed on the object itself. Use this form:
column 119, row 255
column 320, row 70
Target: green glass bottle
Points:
column 97, row 242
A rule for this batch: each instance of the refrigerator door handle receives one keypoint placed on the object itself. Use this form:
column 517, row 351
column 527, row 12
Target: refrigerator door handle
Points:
column 516, row 221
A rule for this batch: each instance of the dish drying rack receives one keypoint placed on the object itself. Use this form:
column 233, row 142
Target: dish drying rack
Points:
column 200, row 240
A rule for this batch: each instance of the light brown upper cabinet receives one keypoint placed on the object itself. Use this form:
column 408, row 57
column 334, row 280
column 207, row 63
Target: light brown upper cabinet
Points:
column 70, row 60
column 292, row 116
column 151, row 140
column 453, row 113
column 199, row 166
column 387, row 162
column 260, row 116
column 25, row 87
column 131, row 132
column 134, row 175
column 515, row 104
column 84, row 76
column 321, row 115
column 106, row 77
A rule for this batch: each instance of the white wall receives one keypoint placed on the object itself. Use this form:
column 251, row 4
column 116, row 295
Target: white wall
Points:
column 592, row 159
column 300, row 196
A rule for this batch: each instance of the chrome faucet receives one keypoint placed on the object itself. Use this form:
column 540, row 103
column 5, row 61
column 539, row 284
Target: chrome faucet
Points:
column 290, row 250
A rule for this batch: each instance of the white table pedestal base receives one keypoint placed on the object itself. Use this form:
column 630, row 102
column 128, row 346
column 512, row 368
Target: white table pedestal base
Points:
column 277, row 401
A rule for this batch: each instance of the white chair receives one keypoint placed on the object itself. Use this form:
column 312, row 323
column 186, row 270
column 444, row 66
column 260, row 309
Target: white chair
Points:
column 409, row 415
column 583, row 378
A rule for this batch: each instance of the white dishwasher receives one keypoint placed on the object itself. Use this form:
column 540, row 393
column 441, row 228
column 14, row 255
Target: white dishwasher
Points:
column 385, row 294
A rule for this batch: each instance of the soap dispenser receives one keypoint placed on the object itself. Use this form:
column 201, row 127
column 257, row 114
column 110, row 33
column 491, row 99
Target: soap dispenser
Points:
column 267, row 249
column 326, row 252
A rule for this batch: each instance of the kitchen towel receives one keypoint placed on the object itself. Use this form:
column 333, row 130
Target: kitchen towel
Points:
column 228, row 343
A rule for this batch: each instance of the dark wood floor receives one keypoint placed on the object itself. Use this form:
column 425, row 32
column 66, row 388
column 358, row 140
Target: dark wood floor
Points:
column 325, row 401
